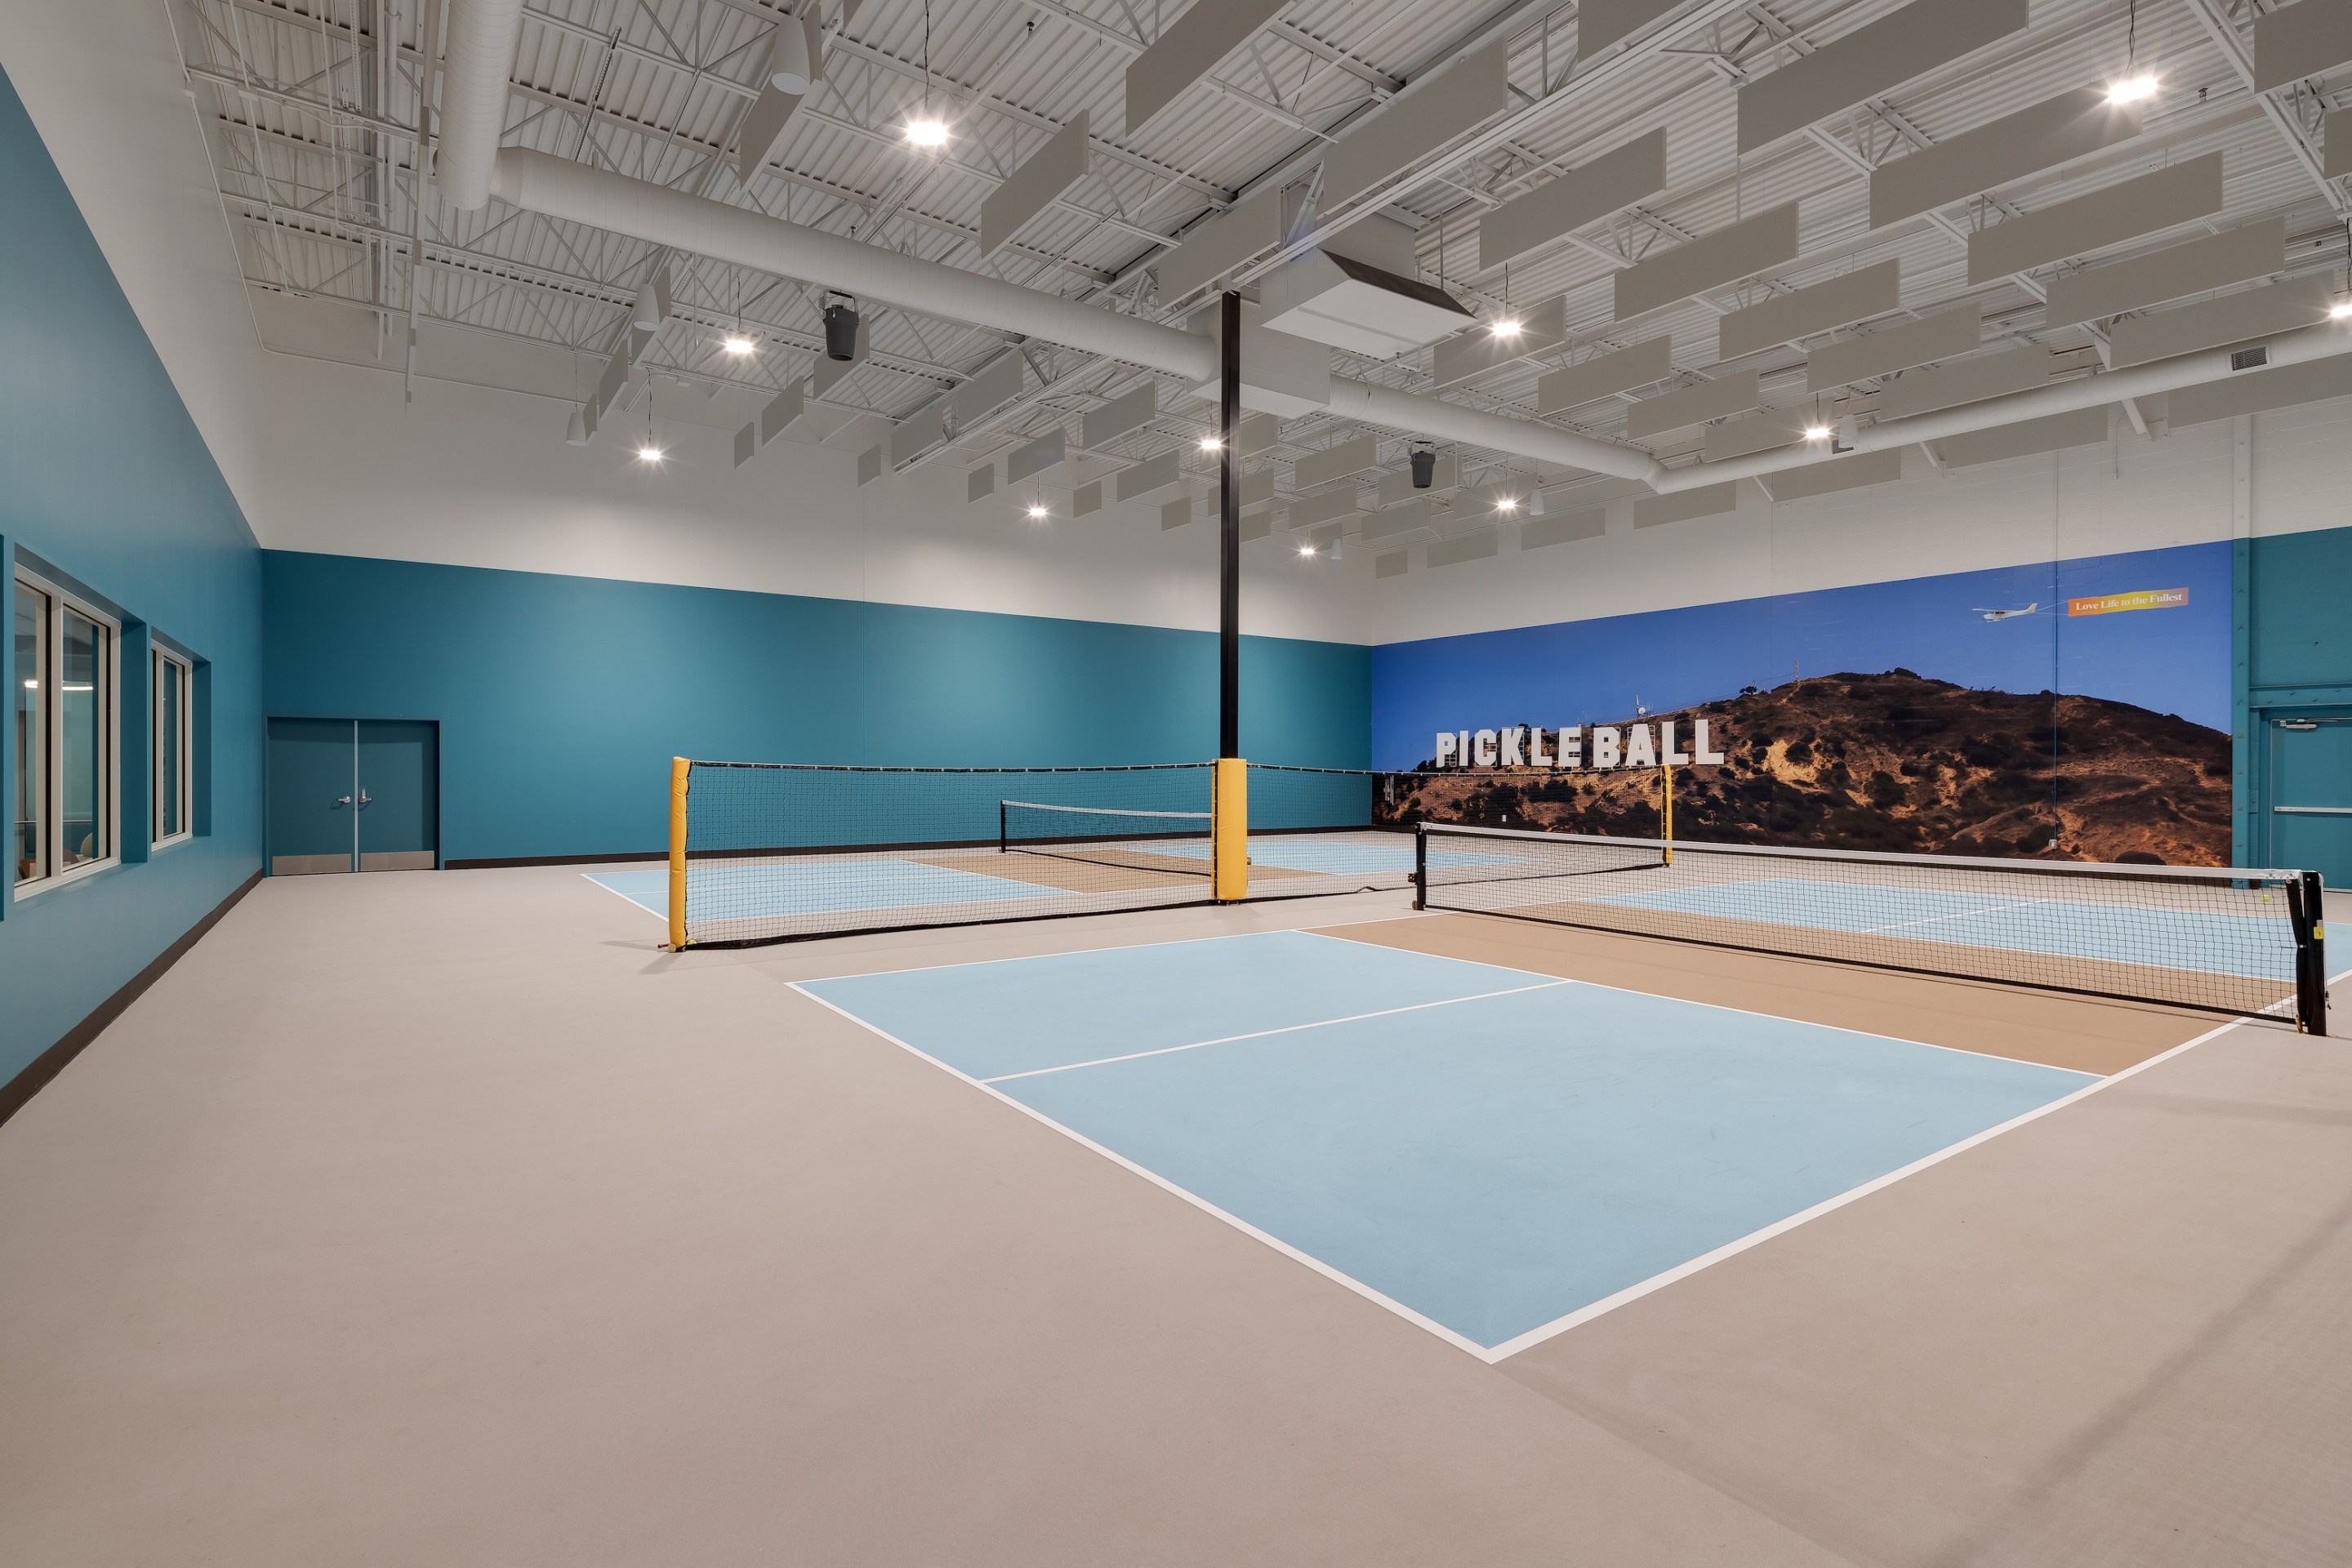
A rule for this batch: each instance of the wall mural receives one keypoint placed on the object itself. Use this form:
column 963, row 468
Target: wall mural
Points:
column 2077, row 709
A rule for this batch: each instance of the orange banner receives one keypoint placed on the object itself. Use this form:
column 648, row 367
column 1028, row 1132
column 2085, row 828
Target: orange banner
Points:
column 2140, row 599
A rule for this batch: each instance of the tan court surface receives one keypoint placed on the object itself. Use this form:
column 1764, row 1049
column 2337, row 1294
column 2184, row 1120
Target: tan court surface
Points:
column 437, row 1219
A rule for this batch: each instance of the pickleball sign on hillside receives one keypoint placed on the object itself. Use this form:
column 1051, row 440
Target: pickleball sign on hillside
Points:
column 1611, row 746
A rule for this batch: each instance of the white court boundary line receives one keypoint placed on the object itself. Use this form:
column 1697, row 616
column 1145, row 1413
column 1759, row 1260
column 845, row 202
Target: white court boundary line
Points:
column 1588, row 1313
column 1162, row 1182
column 590, row 878
column 1284, row 1029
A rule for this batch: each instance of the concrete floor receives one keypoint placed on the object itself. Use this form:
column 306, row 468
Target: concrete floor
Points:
column 438, row 1217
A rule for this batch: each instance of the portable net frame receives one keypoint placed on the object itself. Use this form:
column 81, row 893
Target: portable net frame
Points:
column 2229, row 941
column 781, row 851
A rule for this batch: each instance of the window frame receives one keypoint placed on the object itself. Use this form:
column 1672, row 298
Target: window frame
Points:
column 174, row 666
column 109, row 812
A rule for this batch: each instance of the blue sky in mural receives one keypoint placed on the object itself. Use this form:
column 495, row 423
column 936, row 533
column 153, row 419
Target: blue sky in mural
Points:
column 2172, row 660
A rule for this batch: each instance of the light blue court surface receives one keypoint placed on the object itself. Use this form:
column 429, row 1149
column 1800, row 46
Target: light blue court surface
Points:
column 721, row 891
column 1489, row 1148
column 2168, row 939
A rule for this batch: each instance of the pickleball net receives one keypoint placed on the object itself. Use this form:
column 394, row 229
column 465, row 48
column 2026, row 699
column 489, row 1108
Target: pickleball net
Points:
column 2229, row 941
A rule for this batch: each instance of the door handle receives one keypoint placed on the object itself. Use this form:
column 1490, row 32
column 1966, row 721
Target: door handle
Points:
column 342, row 800
column 2313, row 810
column 365, row 800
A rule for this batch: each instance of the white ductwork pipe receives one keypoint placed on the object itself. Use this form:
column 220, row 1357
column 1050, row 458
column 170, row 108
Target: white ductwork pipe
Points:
column 1417, row 415
column 2299, row 347
column 483, row 36
column 602, row 199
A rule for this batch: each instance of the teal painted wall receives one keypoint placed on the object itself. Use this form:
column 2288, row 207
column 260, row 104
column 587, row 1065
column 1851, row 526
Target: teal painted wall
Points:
column 2293, row 650
column 105, row 480
column 561, row 699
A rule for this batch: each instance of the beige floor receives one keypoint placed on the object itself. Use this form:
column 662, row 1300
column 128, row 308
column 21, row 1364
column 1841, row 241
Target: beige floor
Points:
column 440, row 1218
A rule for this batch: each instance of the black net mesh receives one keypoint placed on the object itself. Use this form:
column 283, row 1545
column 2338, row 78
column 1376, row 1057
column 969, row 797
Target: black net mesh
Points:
column 2228, row 941
column 776, row 851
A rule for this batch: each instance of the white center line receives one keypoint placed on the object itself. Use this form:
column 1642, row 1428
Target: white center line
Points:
column 1261, row 1034
column 1960, row 915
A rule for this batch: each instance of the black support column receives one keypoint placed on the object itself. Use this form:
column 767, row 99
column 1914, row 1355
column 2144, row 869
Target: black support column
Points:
column 1229, row 529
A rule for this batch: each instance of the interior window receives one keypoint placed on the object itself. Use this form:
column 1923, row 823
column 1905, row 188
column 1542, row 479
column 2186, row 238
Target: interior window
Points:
column 31, row 843
column 172, row 771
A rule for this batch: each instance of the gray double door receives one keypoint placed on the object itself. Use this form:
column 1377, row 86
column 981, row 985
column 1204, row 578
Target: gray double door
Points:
column 353, row 794
column 2308, row 799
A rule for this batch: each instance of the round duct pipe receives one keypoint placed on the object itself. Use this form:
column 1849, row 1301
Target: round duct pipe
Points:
column 483, row 36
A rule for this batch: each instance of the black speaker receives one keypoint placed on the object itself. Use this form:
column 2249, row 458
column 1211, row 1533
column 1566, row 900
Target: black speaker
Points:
column 841, row 331
column 1425, row 468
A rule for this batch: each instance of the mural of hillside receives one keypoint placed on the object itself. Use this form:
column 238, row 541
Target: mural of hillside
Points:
column 1892, row 762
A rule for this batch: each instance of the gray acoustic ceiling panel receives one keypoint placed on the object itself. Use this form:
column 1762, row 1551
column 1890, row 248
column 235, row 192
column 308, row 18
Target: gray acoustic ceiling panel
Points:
column 1394, row 565
column 610, row 386
column 1188, row 50
column 1710, row 261
column 1257, row 489
column 1643, row 365
column 1317, row 469
column 1151, row 474
column 1036, row 185
column 997, row 384
column 1097, row 427
column 1256, row 527
column 1466, row 354
column 1340, row 503
column 2153, row 201
column 1401, row 520
column 1036, row 457
column 2251, row 392
column 1869, row 60
column 1763, row 432
column 1890, row 349
column 1476, row 546
column 1175, row 513
column 1836, row 474
column 1612, row 181
column 782, row 411
column 1601, row 23
column 1258, row 432
column 981, row 483
column 2214, row 261
column 2237, row 318
column 1732, row 394
column 1682, row 506
column 918, row 432
column 1415, row 123
column 869, row 463
column 1567, row 528
column 1225, row 241
column 747, row 442
column 2054, row 131
column 2300, row 40
column 2018, row 369
column 2081, row 427
column 1824, row 307
column 2335, row 132
column 1087, row 499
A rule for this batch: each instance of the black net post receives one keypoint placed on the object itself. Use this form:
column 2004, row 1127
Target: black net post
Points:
column 2307, row 895
column 1421, row 868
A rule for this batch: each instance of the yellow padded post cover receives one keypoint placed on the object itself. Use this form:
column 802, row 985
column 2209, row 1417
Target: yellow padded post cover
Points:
column 678, row 769
column 1229, row 831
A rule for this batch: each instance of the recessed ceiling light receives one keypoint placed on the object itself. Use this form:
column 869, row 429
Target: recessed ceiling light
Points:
column 927, row 132
column 649, row 453
column 1507, row 503
column 737, row 343
column 1210, row 444
column 1036, row 511
column 1817, row 432
column 1307, row 549
column 2132, row 88
column 1507, row 327
column 2339, row 311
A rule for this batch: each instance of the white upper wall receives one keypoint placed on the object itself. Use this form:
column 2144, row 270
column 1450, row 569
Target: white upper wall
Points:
column 2130, row 494
column 102, row 80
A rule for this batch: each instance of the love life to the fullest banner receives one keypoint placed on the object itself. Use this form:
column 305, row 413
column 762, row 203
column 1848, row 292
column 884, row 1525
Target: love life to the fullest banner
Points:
column 1613, row 746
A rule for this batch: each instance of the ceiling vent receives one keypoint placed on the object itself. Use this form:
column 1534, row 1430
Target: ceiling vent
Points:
column 1354, row 305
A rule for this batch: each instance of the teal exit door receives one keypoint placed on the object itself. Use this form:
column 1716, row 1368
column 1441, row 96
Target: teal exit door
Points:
column 2309, row 798
column 353, row 794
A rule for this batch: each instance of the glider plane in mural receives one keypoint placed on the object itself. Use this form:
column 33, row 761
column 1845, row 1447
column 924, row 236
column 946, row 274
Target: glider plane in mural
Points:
column 2008, row 614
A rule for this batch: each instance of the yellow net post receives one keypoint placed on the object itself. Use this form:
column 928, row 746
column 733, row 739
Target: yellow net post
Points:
column 1229, row 831
column 678, row 769
column 1667, row 782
